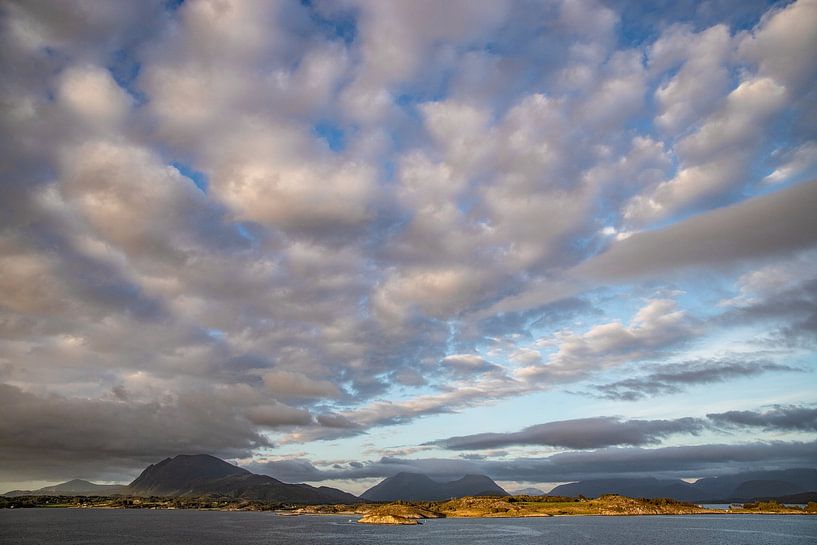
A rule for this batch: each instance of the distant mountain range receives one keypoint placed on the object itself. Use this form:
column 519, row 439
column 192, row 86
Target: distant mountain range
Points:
column 527, row 492
column 77, row 487
column 419, row 487
column 204, row 475
column 738, row 487
column 200, row 475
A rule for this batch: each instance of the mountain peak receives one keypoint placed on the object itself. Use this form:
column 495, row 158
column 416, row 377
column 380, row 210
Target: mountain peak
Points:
column 421, row 487
column 175, row 475
column 205, row 475
column 474, row 478
column 77, row 482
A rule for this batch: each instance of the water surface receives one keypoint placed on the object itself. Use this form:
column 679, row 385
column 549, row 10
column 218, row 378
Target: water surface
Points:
column 125, row 527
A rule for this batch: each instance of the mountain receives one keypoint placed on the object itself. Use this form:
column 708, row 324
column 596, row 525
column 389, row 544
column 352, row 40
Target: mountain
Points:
column 528, row 492
column 764, row 484
column 736, row 487
column 76, row 487
column 802, row 497
column 184, row 475
column 204, row 475
column 761, row 488
column 645, row 487
column 419, row 487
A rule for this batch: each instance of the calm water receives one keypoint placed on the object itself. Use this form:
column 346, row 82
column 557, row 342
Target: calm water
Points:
column 117, row 527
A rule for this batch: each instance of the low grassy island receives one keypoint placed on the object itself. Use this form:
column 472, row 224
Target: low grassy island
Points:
column 549, row 506
column 533, row 506
column 404, row 512
column 396, row 513
column 387, row 519
column 539, row 506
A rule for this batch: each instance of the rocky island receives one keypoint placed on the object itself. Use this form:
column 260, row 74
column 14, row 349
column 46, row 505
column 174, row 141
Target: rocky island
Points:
column 397, row 513
column 544, row 506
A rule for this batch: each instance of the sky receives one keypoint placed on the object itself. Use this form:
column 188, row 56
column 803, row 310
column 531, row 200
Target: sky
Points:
column 330, row 241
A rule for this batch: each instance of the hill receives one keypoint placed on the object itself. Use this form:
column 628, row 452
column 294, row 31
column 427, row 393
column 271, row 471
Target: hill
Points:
column 75, row 487
column 204, row 475
column 419, row 487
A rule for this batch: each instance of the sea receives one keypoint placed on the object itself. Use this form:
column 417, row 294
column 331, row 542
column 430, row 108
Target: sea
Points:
column 188, row 527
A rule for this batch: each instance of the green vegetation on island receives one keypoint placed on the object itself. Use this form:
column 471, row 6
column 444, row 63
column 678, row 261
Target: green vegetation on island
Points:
column 546, row 506
column 403, row 512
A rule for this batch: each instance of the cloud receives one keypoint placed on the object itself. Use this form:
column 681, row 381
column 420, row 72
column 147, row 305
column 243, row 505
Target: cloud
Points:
column 277, row 414
column 780, row 43
column 692, row 461
column 42, row 436
column 469, row 364
column 655, row 328
column 467, row 392
column 605, row 431
column 721, row 236
column 788, row 304
column 674, row 378
column 581, row 433
column 395, row 39
column 702, row 80
column 789, row 417
column 93, row 96
column 794, row 163
column 716, row 157
column 331, row 217
column 288, row 384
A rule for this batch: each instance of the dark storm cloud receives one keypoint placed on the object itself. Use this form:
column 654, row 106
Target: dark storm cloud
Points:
column 786, row 418
column 581, row 433
column 675, row 378
column 42, row 436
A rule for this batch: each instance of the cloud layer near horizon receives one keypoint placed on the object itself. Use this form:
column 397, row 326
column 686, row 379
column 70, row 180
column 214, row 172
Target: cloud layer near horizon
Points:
column 257, row 227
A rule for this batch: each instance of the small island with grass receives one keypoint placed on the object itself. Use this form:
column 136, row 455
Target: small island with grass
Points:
column 412, row 513
column 549, row 506
column 402, row 512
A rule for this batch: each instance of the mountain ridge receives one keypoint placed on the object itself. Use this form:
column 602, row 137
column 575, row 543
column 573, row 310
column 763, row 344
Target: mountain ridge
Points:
column 742, row 486
column 205, row 475
column 193, row 475
column 420, row 487
column 79, row 487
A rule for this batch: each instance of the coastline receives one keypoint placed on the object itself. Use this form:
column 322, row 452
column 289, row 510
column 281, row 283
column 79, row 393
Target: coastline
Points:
column 487, row 507
column 710, row 512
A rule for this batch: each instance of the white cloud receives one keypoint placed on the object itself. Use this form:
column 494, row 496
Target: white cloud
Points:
column 91, row 93
column 290, row 384
column 794, row 163
column 392, row 194
column 702, row 80
column 783, row 45
column 655, row 328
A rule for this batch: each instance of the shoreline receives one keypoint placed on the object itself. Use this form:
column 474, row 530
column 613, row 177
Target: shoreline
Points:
column 361, row 515
column 403, row 512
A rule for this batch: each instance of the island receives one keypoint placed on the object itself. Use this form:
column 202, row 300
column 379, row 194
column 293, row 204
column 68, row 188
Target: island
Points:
column 549, row 506
column 412, row 513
